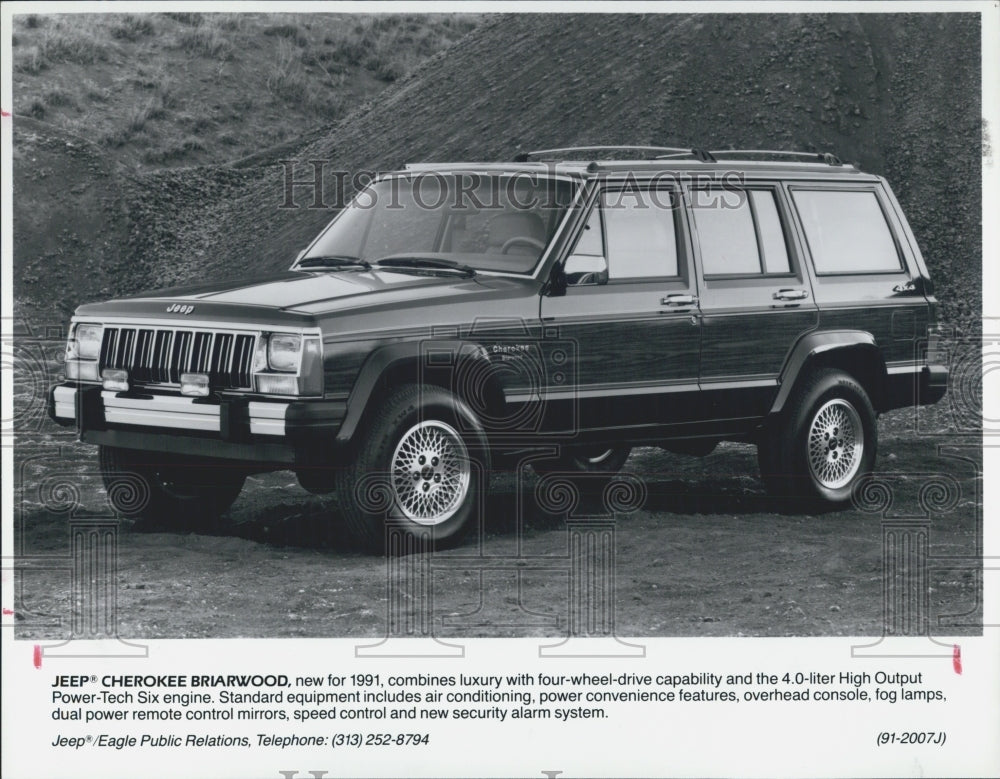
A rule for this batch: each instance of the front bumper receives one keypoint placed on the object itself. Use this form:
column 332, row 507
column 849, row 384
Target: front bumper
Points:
column 265, row 431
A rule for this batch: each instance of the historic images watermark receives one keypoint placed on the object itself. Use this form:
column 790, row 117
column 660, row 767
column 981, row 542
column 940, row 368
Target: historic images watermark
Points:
column 316, row 184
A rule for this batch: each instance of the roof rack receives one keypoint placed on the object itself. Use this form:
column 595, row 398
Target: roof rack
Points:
column 526, row 156
column 674, row 152
column 829, row 159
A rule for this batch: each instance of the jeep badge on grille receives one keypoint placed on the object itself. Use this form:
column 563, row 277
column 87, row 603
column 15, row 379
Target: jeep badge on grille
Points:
column 177, row 308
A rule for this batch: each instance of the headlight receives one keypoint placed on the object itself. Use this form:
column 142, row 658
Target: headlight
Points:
column 284, row 352
column 83, row 348
column 88, row 341
column 84, row 342
column 288, row 364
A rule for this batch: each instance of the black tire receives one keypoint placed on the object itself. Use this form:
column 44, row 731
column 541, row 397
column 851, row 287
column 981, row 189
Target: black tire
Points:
column 590, row 468
column 167, row 490
column 578, row 460
column 824, row 441
column 421, row 462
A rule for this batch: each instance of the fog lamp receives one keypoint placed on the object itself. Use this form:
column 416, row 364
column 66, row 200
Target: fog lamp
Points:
column 115, row 379
column 194, row 384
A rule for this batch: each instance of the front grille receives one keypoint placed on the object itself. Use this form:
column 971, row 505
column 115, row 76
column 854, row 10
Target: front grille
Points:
column 160, row 356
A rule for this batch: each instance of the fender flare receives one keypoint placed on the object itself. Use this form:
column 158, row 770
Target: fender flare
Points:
column 810, row 346
column 385, row 358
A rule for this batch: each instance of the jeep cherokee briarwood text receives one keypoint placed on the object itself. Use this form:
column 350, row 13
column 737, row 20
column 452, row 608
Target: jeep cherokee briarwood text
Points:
column 456, row 316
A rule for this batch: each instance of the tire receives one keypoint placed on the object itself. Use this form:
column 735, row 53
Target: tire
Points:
column 823, row 443
column 167, row 490
column 589, row 468
column 421, row 463
column 599, row 459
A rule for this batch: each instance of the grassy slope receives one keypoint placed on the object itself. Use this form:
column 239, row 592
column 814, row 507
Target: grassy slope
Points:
column 897, row 94
column 186, row 88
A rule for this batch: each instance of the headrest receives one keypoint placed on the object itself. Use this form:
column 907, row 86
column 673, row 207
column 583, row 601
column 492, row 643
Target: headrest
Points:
column 520, row 224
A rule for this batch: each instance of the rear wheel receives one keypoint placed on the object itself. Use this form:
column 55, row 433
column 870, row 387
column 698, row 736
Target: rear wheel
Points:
column 824, row 442
column 420, row 464
column 168, row 490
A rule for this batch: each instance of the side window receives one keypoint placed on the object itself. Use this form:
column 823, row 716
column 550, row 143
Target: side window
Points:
column 587, row 263
column 591, row 242
column 641, row 234
column 740, row 233
column 846, row 231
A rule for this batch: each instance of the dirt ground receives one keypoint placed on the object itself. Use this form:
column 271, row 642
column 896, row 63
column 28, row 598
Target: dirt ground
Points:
column 706, row 554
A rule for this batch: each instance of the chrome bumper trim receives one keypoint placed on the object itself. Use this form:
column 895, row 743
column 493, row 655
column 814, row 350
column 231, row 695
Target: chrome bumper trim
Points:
column 65, row 402
column 267, row 418
column 175, row 411
column 161, row 411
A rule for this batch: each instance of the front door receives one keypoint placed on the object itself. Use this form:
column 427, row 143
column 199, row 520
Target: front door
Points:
column 630, row 314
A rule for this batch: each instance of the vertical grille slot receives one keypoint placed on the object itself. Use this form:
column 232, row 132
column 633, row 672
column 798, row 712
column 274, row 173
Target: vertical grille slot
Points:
column 222, row 355
column 142, row 364
column 242, row 362
column 181, row 355
column 161, row 356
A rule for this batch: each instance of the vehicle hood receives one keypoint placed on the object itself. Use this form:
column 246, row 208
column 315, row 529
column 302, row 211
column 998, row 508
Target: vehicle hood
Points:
column 296, row 297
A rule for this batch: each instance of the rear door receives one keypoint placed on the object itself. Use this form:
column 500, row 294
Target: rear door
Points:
column 756, row 296
column 630, row 311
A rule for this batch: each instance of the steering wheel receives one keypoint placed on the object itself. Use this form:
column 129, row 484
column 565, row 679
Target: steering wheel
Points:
column 521, row 239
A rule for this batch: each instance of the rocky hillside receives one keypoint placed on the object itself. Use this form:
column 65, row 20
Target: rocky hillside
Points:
column 899, row 95
column 160, row 90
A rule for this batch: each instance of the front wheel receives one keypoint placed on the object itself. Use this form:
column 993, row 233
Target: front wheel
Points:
column 824, row 442
column 420, row 465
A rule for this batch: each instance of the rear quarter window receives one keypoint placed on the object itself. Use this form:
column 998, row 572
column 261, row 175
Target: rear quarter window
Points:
column 847, row 231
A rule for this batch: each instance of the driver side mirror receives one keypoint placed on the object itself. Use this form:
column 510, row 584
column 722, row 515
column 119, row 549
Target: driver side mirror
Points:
column 585, row 269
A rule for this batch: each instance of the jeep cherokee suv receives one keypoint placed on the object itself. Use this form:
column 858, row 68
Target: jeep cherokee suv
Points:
column 557, row 310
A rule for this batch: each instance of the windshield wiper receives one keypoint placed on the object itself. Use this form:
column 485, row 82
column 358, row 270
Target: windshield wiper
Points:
column 425, row 263
column 333, row 261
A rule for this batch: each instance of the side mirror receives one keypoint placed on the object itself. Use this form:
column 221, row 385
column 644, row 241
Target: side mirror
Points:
column 585, row 269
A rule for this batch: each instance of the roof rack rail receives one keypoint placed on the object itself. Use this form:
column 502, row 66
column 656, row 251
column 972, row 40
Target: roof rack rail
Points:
column 829, row 159
column 526, row 156
column 699, row 154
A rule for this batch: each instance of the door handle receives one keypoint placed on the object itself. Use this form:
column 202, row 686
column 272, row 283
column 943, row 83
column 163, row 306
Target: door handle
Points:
column 679, row 300
column 790, row 294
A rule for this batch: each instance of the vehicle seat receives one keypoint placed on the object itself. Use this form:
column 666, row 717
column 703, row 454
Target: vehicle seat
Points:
column 503, row 227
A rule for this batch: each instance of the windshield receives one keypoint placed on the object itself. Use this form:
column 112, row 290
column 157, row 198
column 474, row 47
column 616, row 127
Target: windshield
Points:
column 489, row 222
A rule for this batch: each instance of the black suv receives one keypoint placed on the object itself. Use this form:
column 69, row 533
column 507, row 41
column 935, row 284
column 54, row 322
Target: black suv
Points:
column 457, row 316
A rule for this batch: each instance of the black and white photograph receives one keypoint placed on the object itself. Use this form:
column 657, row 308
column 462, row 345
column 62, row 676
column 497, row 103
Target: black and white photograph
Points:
column 573, row 334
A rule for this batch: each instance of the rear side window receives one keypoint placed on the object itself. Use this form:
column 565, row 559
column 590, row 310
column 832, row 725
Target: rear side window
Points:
column 847, row 231
column 740, row 233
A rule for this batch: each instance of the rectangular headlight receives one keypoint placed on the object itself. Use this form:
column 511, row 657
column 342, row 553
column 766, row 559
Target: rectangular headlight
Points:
column 88, row 341
column 284, row 352
column 84, row 342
